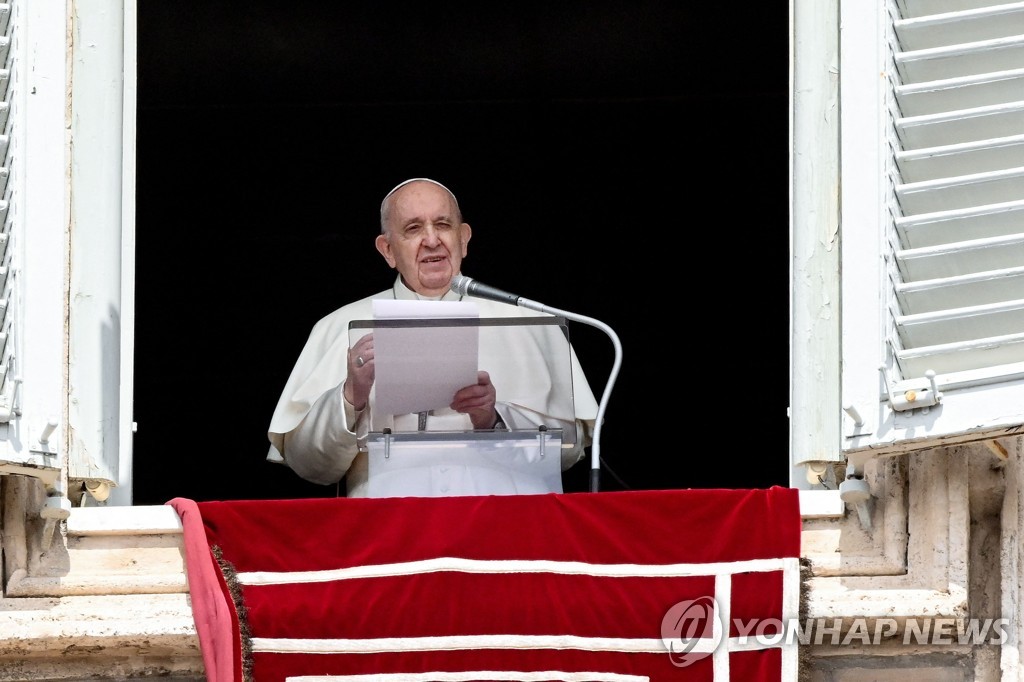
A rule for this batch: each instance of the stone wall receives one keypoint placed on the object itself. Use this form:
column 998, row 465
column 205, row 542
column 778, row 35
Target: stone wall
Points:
column 107, row 598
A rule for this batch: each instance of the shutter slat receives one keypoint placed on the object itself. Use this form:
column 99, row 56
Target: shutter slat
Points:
column 1000, row 54
column 967, row 92
column 920, row 8
column 973, row 25
column 961, row 258
column 968, row 158
column 961, row 126
column 930, row 229
column 963, row 356
column 961, row 291
column 961, row 324
column 960, row 192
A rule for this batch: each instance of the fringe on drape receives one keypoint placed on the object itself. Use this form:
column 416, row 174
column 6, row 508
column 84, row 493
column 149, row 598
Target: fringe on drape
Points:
column 235, row 588
column 803, row 663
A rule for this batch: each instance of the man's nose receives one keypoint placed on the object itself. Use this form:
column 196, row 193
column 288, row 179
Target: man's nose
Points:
column 430, row 236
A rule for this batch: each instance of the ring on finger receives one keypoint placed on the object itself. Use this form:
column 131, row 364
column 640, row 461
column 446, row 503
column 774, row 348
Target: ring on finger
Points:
column 359, row 361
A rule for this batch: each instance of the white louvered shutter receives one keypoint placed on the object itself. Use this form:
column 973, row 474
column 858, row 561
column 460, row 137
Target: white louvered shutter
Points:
column 32, row 253
column 950, row 366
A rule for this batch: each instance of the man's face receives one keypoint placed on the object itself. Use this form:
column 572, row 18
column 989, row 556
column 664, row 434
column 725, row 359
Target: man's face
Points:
column 425, row 240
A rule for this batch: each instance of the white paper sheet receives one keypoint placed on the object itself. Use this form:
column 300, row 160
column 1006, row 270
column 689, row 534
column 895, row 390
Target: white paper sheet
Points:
column 420, row 368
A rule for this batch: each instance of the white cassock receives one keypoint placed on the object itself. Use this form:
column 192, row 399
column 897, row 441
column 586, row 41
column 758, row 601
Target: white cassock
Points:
column 317, row 433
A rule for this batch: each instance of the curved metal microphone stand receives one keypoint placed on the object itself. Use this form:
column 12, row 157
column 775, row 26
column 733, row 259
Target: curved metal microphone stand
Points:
column 595, row 447
column 467, row 286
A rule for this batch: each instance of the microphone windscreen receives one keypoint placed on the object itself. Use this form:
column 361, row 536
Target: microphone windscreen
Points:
column 460, row 284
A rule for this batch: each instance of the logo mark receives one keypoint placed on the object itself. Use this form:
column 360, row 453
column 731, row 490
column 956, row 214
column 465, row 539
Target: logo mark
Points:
column 688, row 630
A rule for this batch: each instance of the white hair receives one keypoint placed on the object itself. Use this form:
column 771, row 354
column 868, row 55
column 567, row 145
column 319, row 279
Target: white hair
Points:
column 384, row 201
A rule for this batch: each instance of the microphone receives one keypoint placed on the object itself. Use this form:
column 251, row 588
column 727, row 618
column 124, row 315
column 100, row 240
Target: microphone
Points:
column 467, row 286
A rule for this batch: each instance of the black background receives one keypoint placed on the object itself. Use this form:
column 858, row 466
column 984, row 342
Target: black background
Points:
column 625, row 161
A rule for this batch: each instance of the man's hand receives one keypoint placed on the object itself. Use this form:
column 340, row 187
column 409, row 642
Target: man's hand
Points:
column 360, row 372
column 477, row 401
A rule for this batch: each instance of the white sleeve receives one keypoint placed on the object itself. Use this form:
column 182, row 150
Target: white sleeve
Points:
column 321, row 448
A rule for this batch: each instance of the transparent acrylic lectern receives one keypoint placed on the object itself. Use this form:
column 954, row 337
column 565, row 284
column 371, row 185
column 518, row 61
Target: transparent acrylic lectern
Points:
column 419, row 447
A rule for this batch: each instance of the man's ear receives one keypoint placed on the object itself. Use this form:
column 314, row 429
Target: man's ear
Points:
column 384, row 246
column 467, row 232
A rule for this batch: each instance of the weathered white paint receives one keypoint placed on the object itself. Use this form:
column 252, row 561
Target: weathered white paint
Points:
column 814, row 245
column 122, row 494
column 99, row 184
column 864, row 205
column 973, row 413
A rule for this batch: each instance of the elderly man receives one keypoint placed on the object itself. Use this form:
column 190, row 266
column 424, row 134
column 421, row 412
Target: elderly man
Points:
column 323, row 417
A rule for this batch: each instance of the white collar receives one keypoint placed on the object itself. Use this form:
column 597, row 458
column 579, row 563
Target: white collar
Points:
column 403, row 293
